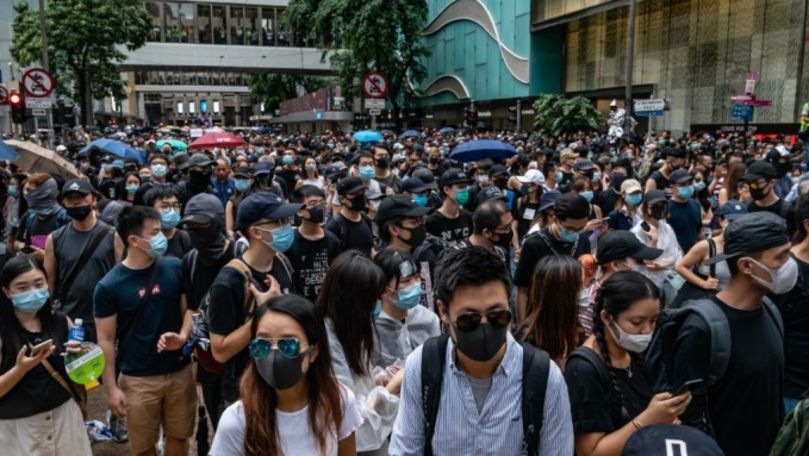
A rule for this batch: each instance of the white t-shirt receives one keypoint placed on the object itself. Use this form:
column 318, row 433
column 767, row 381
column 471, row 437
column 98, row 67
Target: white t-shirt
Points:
column 294, row 433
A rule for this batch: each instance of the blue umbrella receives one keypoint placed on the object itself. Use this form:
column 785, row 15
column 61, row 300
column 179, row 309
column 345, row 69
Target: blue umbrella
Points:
column 447, row 131
column 175, row 144
column 366, row 136
column 411, row 134
column 7, row 152
column 117, row 148
column 483, row 148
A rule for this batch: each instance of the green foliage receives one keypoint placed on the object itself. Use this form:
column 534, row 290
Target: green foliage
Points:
column 381, row 35
column 82, row 40
column 271, row 89
column 556, row 115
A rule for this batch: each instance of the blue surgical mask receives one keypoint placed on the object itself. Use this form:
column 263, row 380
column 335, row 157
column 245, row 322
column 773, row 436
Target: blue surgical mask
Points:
column 132, row 188
column 596, row 176
column 420, row 200
column 588, row 195
column 559, row 176
column 158, row 245
column 409, row 297
column 242, row 185
column 12, row 190
column 30, row 301
column 367, row 172
column 376, row 310
column 699, row 186
column 686, row 192
column 634, row 200
column 159, row 170
column 567, row 235
column 287, row 160
column 169, row 218
column 282, row 238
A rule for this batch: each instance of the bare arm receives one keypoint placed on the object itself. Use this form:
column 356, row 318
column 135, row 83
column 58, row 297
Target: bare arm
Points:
column 694, row 257
column 116, row 400
column 229, row 219
column 650, row 185
column 723, row 195
column 348, row 446
column 226, row 347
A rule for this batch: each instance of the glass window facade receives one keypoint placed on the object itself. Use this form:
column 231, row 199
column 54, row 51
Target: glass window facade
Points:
column 544, row 10
column 173, row 78
column 215, row 23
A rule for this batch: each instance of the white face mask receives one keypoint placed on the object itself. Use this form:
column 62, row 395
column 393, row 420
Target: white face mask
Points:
column 636, row 343
column 783, row 279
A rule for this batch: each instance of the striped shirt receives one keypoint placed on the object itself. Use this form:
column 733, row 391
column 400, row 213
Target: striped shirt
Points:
column 497, row 429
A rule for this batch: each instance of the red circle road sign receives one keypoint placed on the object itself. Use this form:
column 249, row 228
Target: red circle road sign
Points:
column 3, row 95
column 375, row 85
column 38, row 83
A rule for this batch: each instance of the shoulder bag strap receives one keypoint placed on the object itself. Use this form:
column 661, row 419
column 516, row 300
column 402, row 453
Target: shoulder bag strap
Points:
column 61, row 381
column 145, row 300
column 711, row 254
column 83, row 259
column 535, row 372
column 249, row 303
column 432, row 376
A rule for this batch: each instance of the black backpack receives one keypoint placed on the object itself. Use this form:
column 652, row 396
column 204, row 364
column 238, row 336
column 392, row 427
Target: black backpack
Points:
column 535, row 371
column 660, row 354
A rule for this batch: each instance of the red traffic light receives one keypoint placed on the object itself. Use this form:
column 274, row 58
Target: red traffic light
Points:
column 14, row 99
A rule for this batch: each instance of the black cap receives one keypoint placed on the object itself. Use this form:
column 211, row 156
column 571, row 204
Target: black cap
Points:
column 490, row 193
column 498, row 170
column 426, row 176
column 262, row 168
column 245, row 172
column 620, row 244
column 413, row 185
column 77, row 186
column 583, row 165
column 263, row 206
column 181, row 160
column 732, row 210
column 199, row 159
column 751, row 233
column 203, row 208
column 548, row 200
column 349, row 184
column 398, row 206
column 760, row 170
column 657, row 439
column 655, row 196
column 680, row 176
column 454, row 176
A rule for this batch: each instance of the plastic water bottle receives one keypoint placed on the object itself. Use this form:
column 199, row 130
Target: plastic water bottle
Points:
column 76, row 332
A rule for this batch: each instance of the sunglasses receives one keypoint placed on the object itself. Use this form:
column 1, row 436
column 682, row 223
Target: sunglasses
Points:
column 500, row 318
column 290, row 347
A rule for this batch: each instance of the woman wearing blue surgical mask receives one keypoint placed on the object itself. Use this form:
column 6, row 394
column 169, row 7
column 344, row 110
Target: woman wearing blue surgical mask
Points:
column 627, row 209
column 611, row 394
column 127, row 188
column 243, row 182
column 37, row 410
column 404, row 323
column 584, row 187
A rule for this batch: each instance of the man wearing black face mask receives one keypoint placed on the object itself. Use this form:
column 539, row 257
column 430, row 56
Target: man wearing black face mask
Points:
column 351, row 225
column 382, row 168
column 78, row 255
column 780, row 159
column 760, row 179
column 314, row 248
column 200, row 170
column 661, row 179
column 492, row 228
column 474, row 369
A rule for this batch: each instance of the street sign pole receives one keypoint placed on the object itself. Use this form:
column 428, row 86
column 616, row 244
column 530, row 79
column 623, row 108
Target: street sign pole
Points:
column 44, row 31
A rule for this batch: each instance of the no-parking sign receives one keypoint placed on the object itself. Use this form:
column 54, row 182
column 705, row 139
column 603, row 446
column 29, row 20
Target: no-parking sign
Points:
column 37, row 82
column 375, row 85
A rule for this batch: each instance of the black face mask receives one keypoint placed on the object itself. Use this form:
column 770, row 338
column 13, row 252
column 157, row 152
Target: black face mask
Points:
column 435, row 160
column 501, row 183
column 503, row 240
column 383, row 163
column 358, row 203
column 760, row 193
column 417, row 236
column 279, row 371
column 79, row 213
column 209, row 242
column 481, row 343
column 658, row 212
column 316, row 215
column 200, row 178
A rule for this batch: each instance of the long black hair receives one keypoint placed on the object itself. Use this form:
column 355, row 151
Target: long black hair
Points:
column 618, row 293
column 11, row 330
column 347, row 297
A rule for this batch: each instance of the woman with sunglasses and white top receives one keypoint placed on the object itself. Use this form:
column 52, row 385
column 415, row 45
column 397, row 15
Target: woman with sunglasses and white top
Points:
column 349, row 303
column 290, row 403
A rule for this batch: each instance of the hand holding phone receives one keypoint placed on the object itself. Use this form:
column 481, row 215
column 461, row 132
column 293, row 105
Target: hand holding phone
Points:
column 36, row 349
column 690, row 385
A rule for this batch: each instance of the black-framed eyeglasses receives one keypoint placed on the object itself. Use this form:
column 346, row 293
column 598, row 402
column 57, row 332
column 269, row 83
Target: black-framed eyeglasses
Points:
column 290, row 347
column 499, row 318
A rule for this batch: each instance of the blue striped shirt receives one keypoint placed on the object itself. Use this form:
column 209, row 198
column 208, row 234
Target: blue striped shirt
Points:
column 497, row 429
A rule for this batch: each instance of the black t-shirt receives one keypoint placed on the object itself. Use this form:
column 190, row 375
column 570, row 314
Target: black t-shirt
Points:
column 780, row 208
column 794, row 307
column 607, row 200
column 355, row 235
column 565, row 184
column 745, row 406
column 450, row 230
column 198, row 276
column 686, row 220
column 179, row 244
column 593, row 403
column 535, row 247
column 662, row 182
column 524, row 213
column 227, row 312
column 290, row 177
column 34, row 231
column 310, row 261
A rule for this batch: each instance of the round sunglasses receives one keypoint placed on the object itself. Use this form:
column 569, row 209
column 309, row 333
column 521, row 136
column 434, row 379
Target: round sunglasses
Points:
column 290, row 347
column 499, row 318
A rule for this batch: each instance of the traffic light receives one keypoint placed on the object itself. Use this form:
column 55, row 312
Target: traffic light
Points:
column 18, row 112
column 472, row 116
column 512, row 114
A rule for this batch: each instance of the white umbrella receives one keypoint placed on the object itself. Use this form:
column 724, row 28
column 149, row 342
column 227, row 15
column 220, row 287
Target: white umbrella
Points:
column 36, row 159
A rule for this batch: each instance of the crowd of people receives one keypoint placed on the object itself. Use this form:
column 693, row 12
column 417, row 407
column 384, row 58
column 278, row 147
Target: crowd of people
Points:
column 308, row 294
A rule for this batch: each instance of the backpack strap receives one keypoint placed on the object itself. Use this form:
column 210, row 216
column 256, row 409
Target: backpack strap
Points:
column 244, row 270
column 535, row 371
column 594, row 360
column 711, row 254
column 775, row 315
column 286, row 264
column 719, row 329
column 433, row 356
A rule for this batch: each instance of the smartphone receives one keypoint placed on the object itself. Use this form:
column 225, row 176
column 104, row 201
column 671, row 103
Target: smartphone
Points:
column 690, row 385
column 39, row 347
column 645, row 226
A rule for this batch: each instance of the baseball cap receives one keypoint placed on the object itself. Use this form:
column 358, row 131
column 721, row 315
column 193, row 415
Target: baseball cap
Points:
column 413, row 185
column 263, row 205
column 619, row 244
column 453, row 176
column 655, row 196
column 582, row 165
column 548, row 200
column 118, row 164
column 657, row 439
column 203, row 208
column 490, row 193
column 77, row 186
column 245, row 172
column 200, row 159
column 349, row 184
column 263, row 168
column 760, row 170
column 498, row 170
column 680, row 176
column 398, row 206
column 753, row 232
column 732, row 210
column 532, row 176
column 630, row 186
column 181, row 161
column 427, row 177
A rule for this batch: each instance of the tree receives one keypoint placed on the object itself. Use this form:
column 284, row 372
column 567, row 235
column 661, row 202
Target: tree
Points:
column 82, row 40
column 556, row 115
column 272, row 88
column 365, row 35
